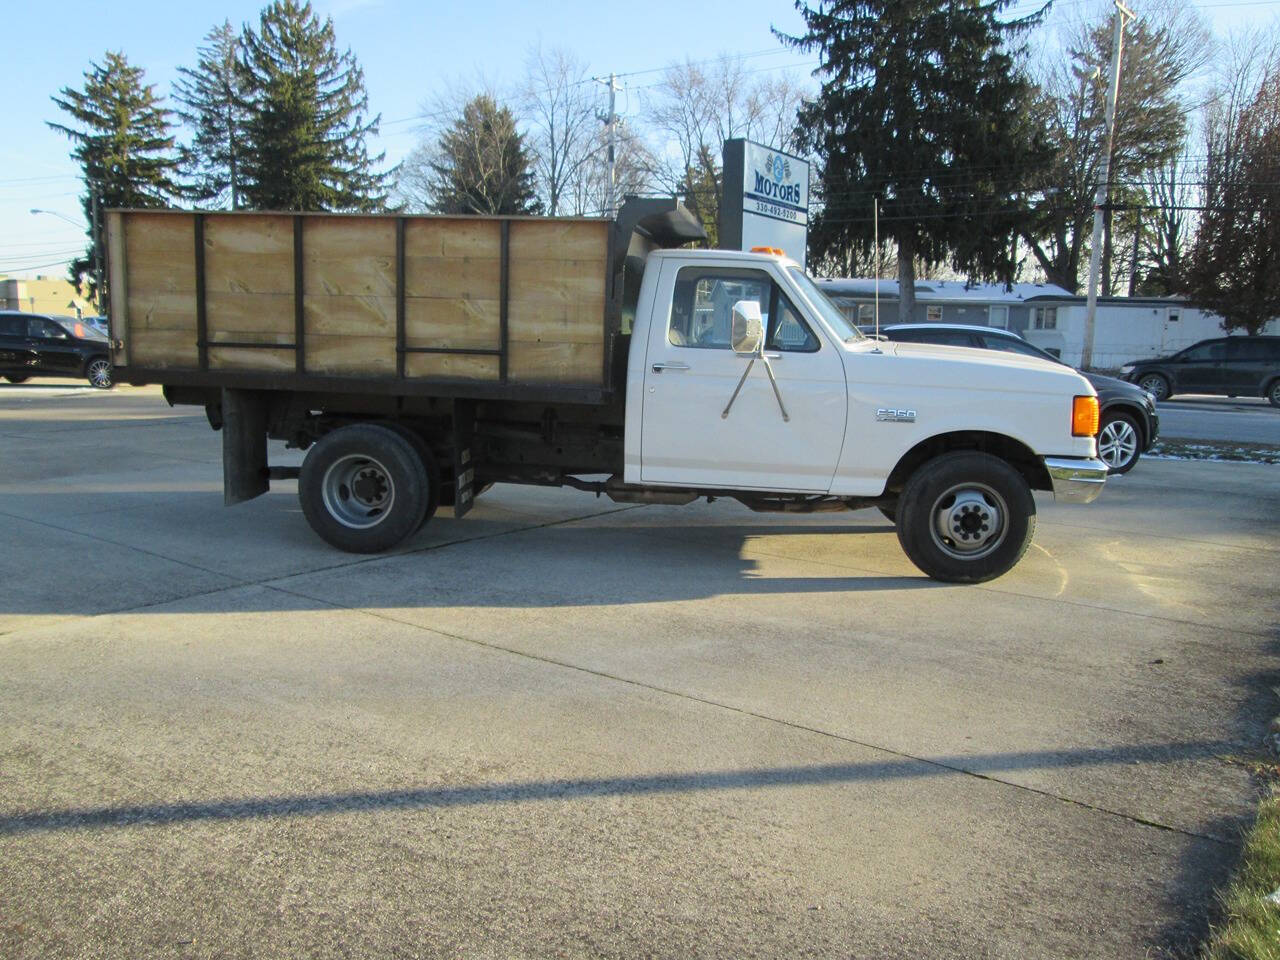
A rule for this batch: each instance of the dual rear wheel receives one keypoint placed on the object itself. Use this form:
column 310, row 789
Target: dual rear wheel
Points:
column 366, row 487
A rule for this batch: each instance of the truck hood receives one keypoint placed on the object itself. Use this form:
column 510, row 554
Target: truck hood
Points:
column 989, row 369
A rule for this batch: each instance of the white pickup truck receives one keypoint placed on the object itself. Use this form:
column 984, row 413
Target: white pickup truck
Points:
column 708, row 373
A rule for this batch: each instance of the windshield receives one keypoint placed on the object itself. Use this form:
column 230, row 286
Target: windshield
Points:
column 80, row 328
column 838, row 322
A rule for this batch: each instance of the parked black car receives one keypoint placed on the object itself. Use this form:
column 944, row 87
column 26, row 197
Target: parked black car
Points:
column 1128, row 425
column 1235, row 366
column 38, row 345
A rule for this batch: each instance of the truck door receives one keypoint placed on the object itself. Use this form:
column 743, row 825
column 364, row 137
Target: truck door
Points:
column 691, row 372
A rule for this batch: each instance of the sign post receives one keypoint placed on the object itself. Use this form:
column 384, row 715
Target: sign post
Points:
column 765, row 201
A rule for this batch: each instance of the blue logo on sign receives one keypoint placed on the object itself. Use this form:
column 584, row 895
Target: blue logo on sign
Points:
column 779, row 169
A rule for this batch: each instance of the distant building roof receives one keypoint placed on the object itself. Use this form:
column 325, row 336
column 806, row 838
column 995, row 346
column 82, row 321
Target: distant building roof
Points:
column 952, row 291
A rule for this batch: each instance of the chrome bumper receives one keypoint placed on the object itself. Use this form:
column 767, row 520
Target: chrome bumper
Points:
column 1076, row 480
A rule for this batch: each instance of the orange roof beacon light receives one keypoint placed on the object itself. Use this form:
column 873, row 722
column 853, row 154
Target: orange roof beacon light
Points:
column 1084, row 417
column 776, row 251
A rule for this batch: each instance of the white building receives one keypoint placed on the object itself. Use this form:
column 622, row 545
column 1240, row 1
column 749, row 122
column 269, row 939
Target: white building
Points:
column 1126, row 328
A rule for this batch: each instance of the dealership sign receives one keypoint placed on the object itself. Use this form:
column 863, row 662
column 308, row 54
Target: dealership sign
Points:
column 766, row 199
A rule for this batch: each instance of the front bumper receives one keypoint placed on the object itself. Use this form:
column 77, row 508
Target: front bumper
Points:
column 1076, row 479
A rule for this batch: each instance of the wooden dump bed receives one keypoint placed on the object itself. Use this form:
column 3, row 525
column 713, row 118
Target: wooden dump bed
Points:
column 408, row 303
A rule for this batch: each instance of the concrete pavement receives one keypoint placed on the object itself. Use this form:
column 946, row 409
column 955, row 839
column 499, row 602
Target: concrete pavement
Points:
column 561, row 727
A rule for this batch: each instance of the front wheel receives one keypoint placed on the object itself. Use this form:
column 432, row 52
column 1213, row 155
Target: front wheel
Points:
column 363, row 488
column 12, row 379
column 99, row 373
column 1118, row 442
column 1273, row 394
column 966, row 517
column 1156, row 385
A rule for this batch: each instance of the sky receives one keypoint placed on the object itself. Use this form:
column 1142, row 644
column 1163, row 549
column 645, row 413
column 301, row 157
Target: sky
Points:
column 410, row 52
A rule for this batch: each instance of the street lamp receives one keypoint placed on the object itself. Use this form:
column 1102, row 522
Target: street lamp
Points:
column 97, row 256
column 60, row 216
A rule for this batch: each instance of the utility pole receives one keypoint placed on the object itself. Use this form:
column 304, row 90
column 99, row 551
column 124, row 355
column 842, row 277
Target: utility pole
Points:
column 611, row 122
column 1103, row 193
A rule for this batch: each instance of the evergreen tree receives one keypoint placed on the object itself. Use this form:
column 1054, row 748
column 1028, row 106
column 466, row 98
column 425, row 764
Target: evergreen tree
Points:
column 121, row 137
column 1234, row 266
column 211, row 102
column 923, row 105
column 306, row 117
column 480, row 164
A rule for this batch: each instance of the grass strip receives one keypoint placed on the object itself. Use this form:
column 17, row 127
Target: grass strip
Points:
column 1176, row 448
column 1251, row 927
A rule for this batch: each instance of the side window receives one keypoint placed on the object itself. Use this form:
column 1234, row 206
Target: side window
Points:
column 1044, row 318
column 1246, row 349
column 1204, row 352
column 702, row 306
column 41, row 329
column 788, row 331
column 13, row 326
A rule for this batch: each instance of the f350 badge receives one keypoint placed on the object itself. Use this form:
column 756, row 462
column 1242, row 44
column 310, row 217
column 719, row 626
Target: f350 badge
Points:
column 894, row 415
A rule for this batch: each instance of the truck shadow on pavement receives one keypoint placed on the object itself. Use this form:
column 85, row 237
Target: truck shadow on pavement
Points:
column 985, row 766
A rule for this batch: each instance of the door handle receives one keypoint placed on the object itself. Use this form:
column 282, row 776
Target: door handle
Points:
column 671, row 365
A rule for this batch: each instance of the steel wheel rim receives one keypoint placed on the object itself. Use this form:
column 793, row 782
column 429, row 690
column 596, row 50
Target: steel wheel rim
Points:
column 1156, row 387
column 100, row 373
column 358, row 491
column 1117, row 443
column 969, row 521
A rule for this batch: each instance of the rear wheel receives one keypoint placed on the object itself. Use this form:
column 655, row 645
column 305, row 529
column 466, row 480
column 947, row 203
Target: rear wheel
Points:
column 1273, row 393
column 99, row 373
column 364, row 488
column 1118, row 442
column 434, row 495
column 966, row 517
column 1156, row 385
column 17, row 379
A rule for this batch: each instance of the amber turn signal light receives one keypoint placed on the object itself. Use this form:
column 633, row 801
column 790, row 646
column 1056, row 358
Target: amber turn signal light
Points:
column 1084, row 417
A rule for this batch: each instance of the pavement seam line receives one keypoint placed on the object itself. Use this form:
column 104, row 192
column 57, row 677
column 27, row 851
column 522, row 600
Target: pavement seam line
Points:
column 743, row 711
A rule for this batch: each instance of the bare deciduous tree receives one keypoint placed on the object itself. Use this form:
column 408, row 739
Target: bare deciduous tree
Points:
column 696, row 107
column 559, row 102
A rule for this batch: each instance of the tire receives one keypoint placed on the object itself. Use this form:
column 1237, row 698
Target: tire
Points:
column 419, row 445
column 984, row 496
column 363, row 488
column 17, row 379
column 890, row 513
column 1119, row 442
column 1273, row 393
column 1157, row 385
column 98, row 372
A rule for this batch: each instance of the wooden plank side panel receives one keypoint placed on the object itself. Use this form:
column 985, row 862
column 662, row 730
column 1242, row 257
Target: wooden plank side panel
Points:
column 349, row 256
column 250, row 358
column 351, row 355
column 451, row 366
column 248, row 254
column 159, row 253
column 254, row 317
column 569, row 364
column 446, row 238
column 559, row 240
column 452, row 277
column 466, row 323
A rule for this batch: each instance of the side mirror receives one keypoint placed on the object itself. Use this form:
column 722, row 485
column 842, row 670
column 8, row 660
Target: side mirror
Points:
column 747, row 330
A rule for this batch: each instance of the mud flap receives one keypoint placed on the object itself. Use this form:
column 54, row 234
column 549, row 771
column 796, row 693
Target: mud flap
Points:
column 464, row 473
column 244, row 445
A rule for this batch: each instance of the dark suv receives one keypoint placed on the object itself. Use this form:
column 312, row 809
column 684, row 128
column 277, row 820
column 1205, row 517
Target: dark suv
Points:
column 1128, row 424
column 1236, row 366
column 38, row 345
